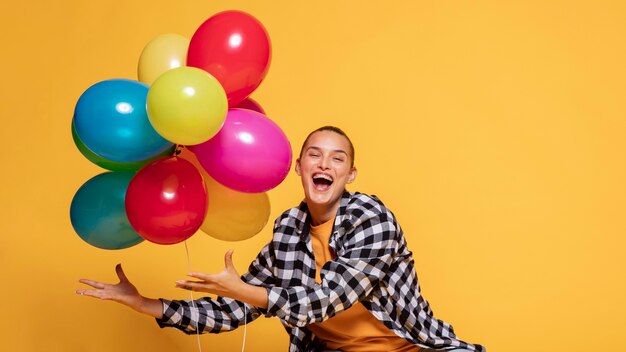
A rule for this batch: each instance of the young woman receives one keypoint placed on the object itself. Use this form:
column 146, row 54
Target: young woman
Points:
column 337, row 273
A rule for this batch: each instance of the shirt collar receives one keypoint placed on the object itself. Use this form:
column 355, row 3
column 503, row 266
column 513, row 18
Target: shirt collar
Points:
column 302, row 217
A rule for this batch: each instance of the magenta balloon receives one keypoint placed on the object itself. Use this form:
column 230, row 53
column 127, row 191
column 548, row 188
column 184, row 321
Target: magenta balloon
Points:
column 249, row 154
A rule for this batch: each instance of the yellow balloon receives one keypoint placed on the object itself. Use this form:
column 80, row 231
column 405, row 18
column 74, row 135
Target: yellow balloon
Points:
column 232, row 215
column 161, row 54
column 187, row 105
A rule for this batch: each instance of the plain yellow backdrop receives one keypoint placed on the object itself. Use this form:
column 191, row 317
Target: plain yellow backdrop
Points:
column 495, row 130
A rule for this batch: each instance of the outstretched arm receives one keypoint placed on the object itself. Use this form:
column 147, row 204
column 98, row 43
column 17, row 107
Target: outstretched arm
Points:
column 123, row 292
column 227, row 283
column 223, row 313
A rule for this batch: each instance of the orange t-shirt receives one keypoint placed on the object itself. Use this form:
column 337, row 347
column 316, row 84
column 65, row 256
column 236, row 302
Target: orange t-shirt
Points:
column 355, row 329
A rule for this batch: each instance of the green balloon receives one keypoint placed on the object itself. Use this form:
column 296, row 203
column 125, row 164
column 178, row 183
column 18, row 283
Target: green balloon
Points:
column 98, row 212
column 114, row 165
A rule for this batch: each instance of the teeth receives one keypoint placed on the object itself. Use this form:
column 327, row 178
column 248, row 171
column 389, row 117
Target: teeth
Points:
column 326, row 177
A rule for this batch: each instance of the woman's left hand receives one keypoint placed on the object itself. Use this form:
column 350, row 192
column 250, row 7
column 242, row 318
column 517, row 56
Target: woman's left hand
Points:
column 226, row 283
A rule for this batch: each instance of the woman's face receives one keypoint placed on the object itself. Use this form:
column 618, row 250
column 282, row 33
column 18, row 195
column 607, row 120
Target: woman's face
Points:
column 324, row 168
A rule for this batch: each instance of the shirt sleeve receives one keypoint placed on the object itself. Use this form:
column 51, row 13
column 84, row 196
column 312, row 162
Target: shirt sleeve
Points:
column 206, row 314
column 214, row 315
column 368, row 250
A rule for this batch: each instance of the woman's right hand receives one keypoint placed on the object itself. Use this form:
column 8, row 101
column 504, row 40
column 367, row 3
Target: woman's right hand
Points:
column 123, row 292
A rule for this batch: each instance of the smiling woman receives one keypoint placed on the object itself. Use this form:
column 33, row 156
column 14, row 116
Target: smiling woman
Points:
column 337, row 273
column 325, row 166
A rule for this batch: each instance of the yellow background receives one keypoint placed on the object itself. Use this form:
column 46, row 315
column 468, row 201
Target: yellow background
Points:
column 493, row 129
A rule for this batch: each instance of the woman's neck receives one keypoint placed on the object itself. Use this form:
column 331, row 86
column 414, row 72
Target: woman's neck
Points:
column 321, row 213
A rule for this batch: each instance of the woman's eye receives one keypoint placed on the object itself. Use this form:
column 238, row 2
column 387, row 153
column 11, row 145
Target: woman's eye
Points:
column 338, row 159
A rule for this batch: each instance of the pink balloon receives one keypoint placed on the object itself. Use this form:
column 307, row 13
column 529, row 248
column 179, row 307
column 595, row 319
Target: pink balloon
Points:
column 249, row 154
column 166, row 201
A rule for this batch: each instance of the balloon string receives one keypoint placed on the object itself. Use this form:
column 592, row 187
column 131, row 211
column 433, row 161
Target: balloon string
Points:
column 193, row 303
column 245, row 310
column 245, row 326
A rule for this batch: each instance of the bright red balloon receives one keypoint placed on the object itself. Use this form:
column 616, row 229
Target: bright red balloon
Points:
column 166, row 201
column 235, row 48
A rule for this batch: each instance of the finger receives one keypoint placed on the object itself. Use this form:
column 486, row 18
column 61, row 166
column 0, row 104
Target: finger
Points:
column 228, row 259
column 191, row 285
column 92, row 283
column 120, row 273
column 202, row 276
column 185, row 284
column 92, row 293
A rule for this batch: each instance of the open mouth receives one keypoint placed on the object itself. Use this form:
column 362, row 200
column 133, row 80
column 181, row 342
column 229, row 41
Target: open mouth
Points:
column 322, row 181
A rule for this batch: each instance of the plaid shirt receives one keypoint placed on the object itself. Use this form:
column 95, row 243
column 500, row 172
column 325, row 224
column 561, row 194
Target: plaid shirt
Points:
column 372, row 265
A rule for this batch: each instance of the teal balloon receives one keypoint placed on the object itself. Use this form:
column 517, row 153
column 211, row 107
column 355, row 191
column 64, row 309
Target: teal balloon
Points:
column 112, row 121
column 98, row 214
column 110, row 164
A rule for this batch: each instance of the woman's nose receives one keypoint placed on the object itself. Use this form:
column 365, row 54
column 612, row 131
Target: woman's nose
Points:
column 323, row 164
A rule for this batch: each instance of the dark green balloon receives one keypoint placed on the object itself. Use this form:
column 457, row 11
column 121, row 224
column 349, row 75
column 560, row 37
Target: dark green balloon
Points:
column 98, row 213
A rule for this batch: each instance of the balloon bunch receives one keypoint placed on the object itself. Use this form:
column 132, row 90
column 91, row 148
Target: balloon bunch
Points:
column 184, row 133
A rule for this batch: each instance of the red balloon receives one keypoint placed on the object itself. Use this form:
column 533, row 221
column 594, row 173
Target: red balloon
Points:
column 235, row 48
column 166, row 201
column 251, row 104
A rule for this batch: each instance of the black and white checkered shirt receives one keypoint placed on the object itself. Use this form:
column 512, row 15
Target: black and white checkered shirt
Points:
column 372, row 265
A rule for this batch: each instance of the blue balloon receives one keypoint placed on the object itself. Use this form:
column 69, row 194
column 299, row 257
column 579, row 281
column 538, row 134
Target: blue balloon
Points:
column 98, row 213
column 114, row 165
column 111, row 119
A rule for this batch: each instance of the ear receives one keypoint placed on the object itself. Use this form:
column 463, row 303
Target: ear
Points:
column 298, row 171
column 352, row 175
